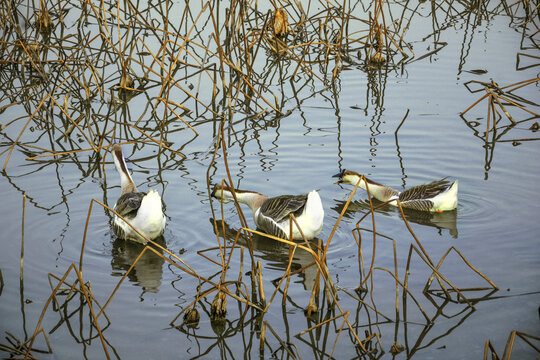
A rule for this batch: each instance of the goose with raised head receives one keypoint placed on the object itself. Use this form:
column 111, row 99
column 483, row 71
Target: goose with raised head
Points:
column 143, row 210
column 436, row 196
column 271, row 214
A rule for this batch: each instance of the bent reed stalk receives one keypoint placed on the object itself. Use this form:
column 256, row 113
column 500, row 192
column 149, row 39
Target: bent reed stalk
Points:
column 76, row 99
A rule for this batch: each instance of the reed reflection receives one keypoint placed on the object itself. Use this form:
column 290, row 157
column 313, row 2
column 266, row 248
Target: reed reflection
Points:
column 147, row 271
column 276, row 254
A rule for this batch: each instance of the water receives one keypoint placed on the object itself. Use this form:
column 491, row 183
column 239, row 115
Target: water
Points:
column 350, row 125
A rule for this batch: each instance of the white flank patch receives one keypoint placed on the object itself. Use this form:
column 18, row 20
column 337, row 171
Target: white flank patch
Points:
column 149, row 221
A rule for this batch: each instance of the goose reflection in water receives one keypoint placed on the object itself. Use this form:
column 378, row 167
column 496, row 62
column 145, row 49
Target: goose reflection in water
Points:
column 147, row 272
column 276, row 254
column 444, row 220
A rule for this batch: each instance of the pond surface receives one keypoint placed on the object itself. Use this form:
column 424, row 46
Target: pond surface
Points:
column 351, row 122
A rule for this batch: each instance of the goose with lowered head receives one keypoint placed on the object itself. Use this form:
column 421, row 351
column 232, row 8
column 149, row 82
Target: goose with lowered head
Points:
column 271, row 214
column 436, row 196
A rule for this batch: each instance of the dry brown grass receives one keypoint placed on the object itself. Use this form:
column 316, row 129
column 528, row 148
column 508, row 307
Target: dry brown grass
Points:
column 74, row 88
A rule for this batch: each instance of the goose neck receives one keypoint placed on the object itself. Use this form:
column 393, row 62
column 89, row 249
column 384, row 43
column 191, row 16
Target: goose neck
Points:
column 125, row 179
column 252, row 199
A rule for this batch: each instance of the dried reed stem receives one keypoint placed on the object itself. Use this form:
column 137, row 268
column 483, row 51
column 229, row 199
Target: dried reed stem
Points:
column 260, row 281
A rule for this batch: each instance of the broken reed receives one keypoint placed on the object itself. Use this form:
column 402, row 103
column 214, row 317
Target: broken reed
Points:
column 502, row 102
column 319, row 260
column 498, row 97
column 119, row 54
column 84, row 288
column 62, row 83
column 200, row 48
column 226, row 252
column 507, row 353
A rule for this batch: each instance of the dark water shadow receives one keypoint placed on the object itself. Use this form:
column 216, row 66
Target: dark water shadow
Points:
column 446, row 220
column 276, row 254
column 147, row 272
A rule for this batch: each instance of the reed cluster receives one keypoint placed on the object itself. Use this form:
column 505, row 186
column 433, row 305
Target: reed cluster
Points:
column 75, row 67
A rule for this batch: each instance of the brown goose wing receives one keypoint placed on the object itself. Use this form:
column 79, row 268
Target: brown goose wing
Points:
column 425, row 191
column 269, row 226
column 128, row 204
column 279, row 207
column 422, row 204
column 275, row 210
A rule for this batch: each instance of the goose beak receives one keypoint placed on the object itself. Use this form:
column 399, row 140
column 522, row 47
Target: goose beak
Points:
column 213, row 194
column 338, row 175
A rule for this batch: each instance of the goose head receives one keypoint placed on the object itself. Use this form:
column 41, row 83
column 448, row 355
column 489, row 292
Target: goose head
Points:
column 347, row 177
column 223, row 193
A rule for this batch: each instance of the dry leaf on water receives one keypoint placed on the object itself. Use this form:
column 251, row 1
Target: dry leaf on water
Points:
column 280, row 23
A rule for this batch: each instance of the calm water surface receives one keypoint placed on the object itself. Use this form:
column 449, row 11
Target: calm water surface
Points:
column 351, row 125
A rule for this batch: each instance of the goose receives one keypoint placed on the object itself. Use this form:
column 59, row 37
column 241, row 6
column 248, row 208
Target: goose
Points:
column 143, row 210
column 271, row 215
column 436, row 196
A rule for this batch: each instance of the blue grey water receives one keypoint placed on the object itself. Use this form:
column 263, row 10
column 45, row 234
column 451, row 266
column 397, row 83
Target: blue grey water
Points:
column 351, row 126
